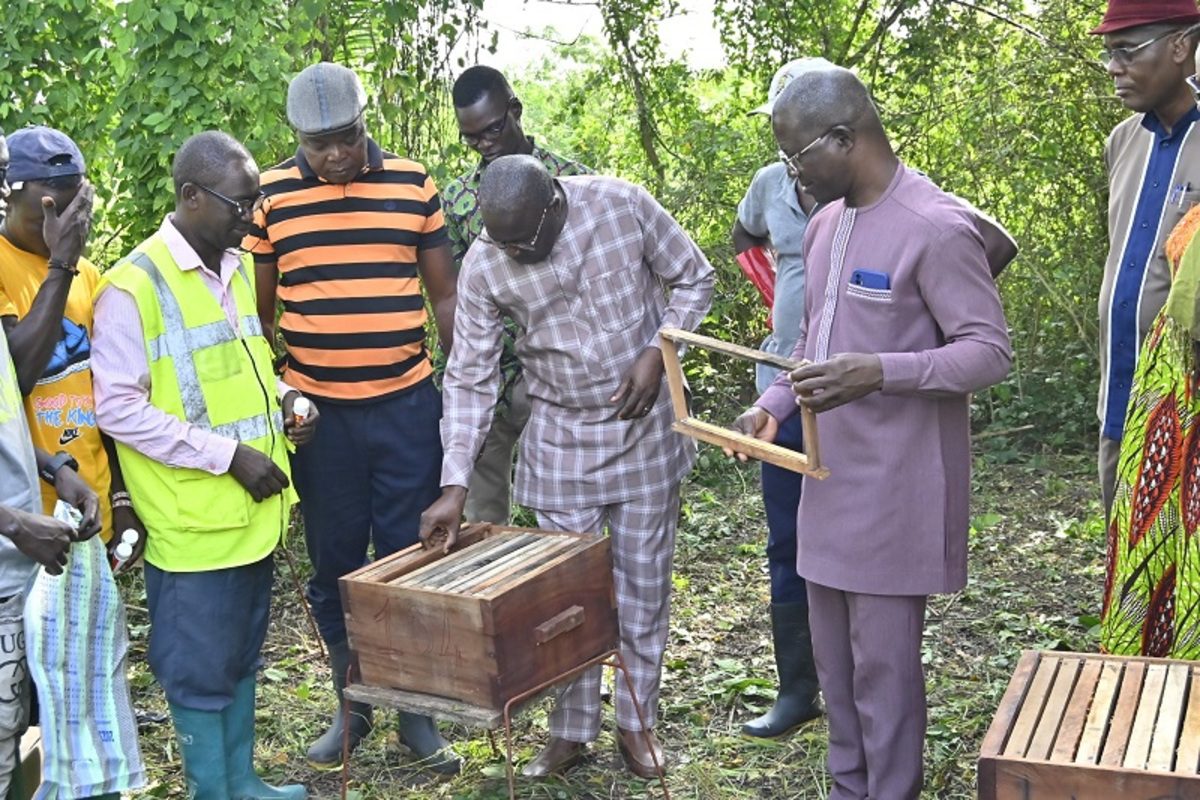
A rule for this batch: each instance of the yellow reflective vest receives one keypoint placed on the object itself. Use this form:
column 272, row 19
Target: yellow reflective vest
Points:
column 203, row 373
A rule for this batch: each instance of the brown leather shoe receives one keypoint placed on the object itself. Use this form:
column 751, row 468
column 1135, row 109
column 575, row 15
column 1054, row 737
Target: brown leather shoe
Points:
column 637, row 753
column 556, row 757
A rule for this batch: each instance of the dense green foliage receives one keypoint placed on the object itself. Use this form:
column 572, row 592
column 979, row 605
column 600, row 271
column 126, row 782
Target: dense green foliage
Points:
column 1002, row 105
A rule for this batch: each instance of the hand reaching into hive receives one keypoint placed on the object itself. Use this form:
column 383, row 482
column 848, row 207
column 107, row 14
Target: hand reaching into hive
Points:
column 439, row 522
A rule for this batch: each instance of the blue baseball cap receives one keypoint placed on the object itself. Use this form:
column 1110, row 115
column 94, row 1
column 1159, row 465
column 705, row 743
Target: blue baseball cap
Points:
column 37, row 153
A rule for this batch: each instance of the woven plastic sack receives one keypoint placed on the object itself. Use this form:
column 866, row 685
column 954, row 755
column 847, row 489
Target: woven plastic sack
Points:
column 76, row 644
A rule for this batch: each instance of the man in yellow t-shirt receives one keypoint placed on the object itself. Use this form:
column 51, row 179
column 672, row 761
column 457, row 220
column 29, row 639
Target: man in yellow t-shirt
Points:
column 46, row 289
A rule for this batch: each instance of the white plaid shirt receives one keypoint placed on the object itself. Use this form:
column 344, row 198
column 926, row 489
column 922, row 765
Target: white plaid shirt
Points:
column 586, row 312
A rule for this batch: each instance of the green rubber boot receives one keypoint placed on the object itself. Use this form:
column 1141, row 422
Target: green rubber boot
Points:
column 202, row 747
column 244, row 783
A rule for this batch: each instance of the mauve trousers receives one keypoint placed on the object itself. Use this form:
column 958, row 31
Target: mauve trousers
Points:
column 868, row 653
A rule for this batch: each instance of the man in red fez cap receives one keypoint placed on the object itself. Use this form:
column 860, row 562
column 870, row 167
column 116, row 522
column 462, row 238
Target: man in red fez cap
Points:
column 1153, row 160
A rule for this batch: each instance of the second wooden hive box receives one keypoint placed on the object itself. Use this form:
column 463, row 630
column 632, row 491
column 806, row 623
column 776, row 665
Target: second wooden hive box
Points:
column 1095, row 727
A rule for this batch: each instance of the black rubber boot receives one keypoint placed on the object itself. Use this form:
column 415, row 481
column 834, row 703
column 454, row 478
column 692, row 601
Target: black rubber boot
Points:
column 326, row 752
column 798, row 700
column 419, row 734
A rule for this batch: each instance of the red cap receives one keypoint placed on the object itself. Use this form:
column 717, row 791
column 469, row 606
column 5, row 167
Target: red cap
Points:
column 1123, row 14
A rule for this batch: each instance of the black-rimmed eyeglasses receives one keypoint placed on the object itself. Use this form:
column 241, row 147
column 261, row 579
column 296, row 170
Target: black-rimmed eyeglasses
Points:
column 491, row 132
column 240, row 207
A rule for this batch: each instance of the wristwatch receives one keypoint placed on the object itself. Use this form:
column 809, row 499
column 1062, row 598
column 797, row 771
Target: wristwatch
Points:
column 57, row 461
column 58, row 263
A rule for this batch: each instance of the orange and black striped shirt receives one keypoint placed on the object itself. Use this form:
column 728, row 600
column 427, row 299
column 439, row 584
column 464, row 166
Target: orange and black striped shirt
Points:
column 353, row 314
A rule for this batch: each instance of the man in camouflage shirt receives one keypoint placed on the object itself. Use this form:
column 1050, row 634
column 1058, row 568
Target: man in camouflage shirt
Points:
column 489, row 120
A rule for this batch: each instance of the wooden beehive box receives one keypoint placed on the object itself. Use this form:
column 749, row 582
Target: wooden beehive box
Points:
column 1095, row 727
column 507, row 610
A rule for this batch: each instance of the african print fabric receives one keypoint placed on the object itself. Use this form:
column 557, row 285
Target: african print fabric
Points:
column 1152, row 581
column 460, row 203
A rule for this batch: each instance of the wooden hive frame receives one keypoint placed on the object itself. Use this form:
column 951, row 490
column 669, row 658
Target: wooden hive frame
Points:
column 807, row 462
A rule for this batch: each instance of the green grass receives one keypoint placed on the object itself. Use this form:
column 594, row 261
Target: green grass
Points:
column 1036, row 578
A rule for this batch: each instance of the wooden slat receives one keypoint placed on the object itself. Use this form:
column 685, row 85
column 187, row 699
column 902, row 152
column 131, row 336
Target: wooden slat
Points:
column 443, row 580
column 1031, row 709
column 417, row 556
column 1170, row 714
column 812, row 441
column 1041, row 780
column 469, row 560
column 1075, row 715
column 1100, row 713
column 507, row 579
column 1121, row 725
column 509, row 561
column 498, row 590
column 729, row 349
column 1010, row 705
column 449, row 561
column 1187, row 758
column 498, row 584
column 1137, row 753
column 493, row 560
column 1052, row 712
column 755, row 448
column 674, row 372
column 432, row 705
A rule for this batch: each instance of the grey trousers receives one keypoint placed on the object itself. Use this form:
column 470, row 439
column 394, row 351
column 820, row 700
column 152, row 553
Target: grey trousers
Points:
column 643, row 547
column 16, row 690
column 868, row 653
column 489, row 495
column 1109, row 452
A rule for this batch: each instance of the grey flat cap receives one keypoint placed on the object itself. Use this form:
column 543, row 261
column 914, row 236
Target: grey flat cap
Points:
column 325, row 97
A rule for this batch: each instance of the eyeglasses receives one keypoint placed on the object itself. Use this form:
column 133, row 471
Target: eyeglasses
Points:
column 792, row 163
column 1124, row 55
column 491, row 132
column 4, row 175
column 240, row 207
column 521, row 247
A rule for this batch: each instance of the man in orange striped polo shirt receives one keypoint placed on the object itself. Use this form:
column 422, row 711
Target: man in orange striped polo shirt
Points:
column 347, row 237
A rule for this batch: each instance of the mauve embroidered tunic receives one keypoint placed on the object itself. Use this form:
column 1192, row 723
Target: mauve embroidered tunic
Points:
column 892, row 517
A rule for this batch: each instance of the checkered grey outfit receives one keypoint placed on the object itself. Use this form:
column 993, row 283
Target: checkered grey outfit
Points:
column 622, row 268
column 643, row 545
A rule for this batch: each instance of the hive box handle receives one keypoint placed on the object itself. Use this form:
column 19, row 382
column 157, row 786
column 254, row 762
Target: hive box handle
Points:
column 560, row 623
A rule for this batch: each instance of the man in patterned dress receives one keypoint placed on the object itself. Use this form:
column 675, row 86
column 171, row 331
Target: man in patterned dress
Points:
column 580, row 265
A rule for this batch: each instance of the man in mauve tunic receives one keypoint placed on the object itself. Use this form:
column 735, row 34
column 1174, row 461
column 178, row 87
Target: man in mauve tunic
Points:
column 903, row 323
column 580, row 265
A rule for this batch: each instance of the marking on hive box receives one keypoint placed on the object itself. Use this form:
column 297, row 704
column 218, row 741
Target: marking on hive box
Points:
column 430, row 634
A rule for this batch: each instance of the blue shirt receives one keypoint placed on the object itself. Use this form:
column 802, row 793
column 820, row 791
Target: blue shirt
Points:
column 1133, row 290
column 771, row 210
